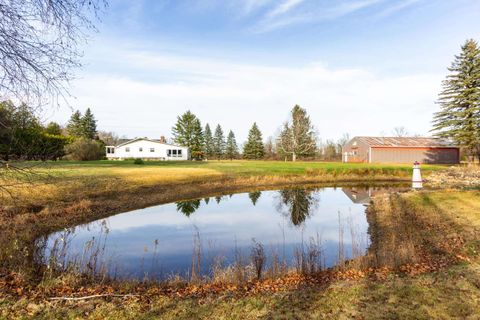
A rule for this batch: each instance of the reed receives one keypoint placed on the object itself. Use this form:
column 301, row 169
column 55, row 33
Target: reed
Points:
column 258, row 258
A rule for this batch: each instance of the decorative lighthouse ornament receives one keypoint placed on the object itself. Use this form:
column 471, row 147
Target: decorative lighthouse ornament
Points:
column 417, row 182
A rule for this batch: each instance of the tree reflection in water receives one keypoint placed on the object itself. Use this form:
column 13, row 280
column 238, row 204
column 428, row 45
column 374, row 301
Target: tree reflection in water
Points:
column 254, row 196
column 188, row 207
column 297, row 204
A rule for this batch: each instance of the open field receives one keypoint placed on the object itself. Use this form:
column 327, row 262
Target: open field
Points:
column 424, row 260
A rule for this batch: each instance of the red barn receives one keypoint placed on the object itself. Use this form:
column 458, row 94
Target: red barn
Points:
column 400, row 150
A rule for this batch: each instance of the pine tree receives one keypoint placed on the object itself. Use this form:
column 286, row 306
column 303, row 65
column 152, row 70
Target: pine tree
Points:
column 218, row 143
column 459, row 115
column 54, row 128
column 75, row 125
column 208, row 141
column 298, row 135
column 231, row 150
column 254, row 148
column 89, row 125
column 187, row 132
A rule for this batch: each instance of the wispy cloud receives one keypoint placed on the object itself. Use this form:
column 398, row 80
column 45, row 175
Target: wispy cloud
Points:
column 294, row 12
column 397, row 7
column 250, row 6
column 283, row 15
column 346, row 8
column 283, row 7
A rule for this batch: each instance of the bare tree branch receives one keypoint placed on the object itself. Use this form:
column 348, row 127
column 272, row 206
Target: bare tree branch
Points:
column 39, row 46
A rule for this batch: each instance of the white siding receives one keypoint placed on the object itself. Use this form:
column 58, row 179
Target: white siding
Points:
column 149, row 150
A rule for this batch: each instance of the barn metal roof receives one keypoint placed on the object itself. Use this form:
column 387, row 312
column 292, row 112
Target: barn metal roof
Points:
column 417, row 142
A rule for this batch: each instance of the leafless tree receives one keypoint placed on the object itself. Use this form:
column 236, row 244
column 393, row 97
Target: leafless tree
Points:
column 39, row 46
column 108, row 137
column 400, row 132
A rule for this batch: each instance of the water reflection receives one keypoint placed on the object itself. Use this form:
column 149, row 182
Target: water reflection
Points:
column 362, row 195
column 254, row 196
column 188, row 207
column 158, row 240
column 297, row 204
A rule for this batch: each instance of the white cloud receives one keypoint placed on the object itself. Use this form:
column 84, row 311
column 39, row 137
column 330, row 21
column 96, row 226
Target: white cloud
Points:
column 399, row 6
column 282, row 15
column 346, row 8
column 235, row 95
column 284, row 7
column 250, row 6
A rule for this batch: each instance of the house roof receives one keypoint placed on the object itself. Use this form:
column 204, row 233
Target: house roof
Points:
column 415, row 142
column 123, row 142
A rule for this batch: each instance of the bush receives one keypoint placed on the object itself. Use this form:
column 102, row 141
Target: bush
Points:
column 83, row 149
column 138, row 161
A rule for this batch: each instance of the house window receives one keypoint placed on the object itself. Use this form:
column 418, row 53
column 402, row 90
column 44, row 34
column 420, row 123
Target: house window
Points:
column 127, row 149
column 140, row 149
column 179, row 153
column 355, row 152
column 152, row 149
column 169, row 153
column 174, row 152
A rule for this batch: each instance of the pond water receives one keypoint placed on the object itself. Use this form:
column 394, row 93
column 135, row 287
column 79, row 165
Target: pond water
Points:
column 171, row 239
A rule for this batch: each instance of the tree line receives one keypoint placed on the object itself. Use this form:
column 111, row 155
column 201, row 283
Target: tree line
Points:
column 297, row 139
column 23, row 136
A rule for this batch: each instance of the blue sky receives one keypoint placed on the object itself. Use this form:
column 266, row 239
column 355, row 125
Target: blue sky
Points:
column 357, row 66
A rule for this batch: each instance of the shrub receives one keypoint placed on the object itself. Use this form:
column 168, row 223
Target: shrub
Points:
column 258, row 258
column 138, row 161
column 83, row 149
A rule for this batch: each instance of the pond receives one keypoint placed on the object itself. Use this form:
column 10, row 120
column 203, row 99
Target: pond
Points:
column 195, row 236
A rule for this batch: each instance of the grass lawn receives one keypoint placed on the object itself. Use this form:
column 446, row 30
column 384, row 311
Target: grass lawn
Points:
column 235, row 167
column 426, row 257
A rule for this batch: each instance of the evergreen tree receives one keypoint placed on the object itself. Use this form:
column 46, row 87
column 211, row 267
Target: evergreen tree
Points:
column 75, row 126
column 218, row 143
column 22, row 136
column 231, row 150
column 53, row 128
column 208, row 141
column 187, row 132
column 254, row 148
column 459, row 115
column 89, row 125
column 298, row 136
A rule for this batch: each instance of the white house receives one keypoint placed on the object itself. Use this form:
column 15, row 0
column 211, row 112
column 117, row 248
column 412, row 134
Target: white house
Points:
column 147, row 149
